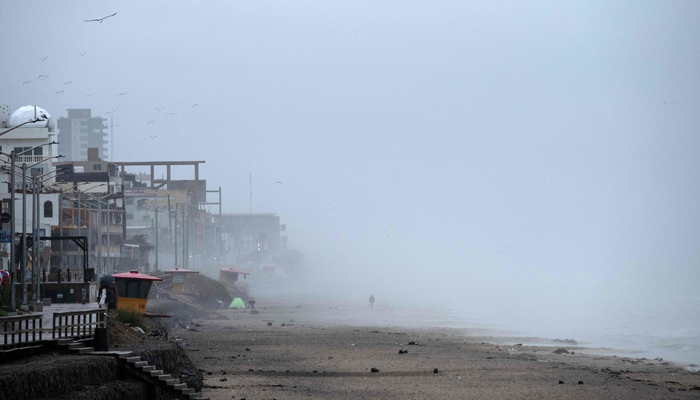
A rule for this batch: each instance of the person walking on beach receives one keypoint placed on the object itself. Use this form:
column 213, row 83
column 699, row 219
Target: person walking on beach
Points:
column 371, row 301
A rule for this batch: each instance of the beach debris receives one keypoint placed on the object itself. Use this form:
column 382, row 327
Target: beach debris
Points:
column 284, row 324
column 560, row 351
column 247, row 349
column 254, row 312
column 412, row 343
column 403, row 351
column 269, row 324
column 561, row 382
column 209, row 373
column 330, row 358
column 658, row 359
column 223, row 372
column 374, row 370
column 223, row 379
column 435, row 371
column 580, row 382
column 251, row 370
column 519, row 344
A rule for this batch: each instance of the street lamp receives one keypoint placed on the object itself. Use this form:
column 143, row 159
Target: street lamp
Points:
column 13, row 157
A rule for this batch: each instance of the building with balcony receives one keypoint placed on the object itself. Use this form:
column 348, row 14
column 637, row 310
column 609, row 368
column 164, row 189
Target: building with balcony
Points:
column 35, row 137
column 80, row 131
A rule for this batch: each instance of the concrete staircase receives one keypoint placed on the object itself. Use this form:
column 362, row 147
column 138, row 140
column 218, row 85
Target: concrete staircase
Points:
column 136, row 365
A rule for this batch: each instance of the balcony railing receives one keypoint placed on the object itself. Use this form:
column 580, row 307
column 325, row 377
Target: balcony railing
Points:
column 28, row 159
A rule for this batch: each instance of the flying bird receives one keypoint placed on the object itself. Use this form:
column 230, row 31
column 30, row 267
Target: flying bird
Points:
column 154, row 136
column 277, row 183
column 60, row 91
column 160, row 108
column 26, row 82
column 67, row 83
column 115, row 109
column 195, row 105
column 82, row 54
column 121, row 94
column 43, row 77
column 167, row 115
column 150, row 122
column 99, row 19
column 43, row 59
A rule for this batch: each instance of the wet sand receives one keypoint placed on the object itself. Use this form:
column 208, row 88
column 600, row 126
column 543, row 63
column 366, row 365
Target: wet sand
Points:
column 328, row 353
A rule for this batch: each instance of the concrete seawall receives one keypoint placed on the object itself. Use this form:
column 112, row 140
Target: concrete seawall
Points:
column 61, row 376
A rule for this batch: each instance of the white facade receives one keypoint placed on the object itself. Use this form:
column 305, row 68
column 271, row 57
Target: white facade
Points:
column 23, row 138
column 38, row 160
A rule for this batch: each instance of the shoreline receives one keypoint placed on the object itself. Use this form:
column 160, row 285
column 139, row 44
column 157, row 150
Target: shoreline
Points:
column 295, row 350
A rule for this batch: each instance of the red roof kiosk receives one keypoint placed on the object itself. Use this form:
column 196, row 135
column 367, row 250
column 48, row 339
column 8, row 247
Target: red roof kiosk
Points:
column 178, row 278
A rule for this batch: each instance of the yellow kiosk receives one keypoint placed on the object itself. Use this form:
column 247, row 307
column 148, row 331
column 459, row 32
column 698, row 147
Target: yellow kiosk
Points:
column 178, row 278
column 133, row 288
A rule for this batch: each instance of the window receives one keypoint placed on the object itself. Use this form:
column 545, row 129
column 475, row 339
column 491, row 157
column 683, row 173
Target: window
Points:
column 39, row 151
column 48, row 209
column 97, row 167
column 21, row 149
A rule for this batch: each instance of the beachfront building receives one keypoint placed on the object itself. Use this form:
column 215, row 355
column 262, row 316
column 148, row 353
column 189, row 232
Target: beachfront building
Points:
column 36, row 136
column 248, row 233
column 80, row 131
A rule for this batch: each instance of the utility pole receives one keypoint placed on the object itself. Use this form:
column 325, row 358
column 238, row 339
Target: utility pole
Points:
column 219, row 244
column 60, row 227
column 24, row 233
column 175, row 236
column 35, row 237
column 170, row 223
column 184, row 240
column 156, row 233
column 13, row 269
column 99, row 236
column 109, row 234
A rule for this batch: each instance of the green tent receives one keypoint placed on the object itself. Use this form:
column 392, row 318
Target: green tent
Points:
column 237, row 303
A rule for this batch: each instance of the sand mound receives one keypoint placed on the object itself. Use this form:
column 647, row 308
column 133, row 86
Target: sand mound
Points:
column 207, row 292
column 119, row 333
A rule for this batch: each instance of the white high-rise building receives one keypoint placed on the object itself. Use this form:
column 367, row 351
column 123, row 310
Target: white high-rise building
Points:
column 80, row 131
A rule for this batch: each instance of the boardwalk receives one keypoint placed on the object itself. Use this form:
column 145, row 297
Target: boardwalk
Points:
column 47, row 315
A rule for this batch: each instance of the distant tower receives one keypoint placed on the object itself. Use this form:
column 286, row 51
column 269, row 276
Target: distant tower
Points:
column 79, row 132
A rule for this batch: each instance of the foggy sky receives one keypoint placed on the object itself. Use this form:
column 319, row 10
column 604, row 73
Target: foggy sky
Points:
column 531, row 159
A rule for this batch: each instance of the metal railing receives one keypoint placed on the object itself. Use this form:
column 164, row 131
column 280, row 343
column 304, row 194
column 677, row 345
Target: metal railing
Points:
column 65, row 324
column 17, row 326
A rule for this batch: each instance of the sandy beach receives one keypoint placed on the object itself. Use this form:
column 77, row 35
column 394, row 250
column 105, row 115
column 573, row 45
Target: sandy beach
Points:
column 306, row 349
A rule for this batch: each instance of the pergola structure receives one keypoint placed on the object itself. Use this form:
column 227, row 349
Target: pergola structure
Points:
column 153, row 165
